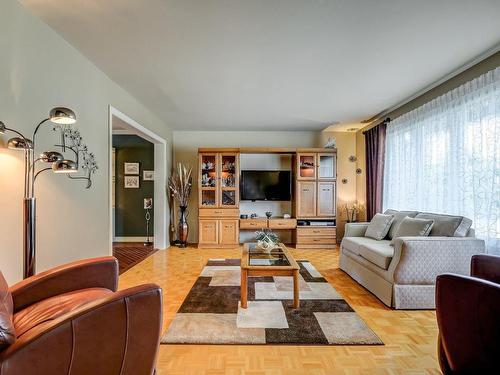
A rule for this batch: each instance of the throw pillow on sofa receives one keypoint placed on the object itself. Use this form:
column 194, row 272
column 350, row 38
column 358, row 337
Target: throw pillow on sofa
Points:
column 398, row 218
column 379, row 226
column 412, row 227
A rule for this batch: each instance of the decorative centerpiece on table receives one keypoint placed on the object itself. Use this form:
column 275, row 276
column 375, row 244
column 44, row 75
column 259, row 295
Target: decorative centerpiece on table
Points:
column 267, row 240
column 180, row 184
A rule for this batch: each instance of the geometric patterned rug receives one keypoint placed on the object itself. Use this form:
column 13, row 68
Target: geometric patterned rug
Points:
column 211, row 312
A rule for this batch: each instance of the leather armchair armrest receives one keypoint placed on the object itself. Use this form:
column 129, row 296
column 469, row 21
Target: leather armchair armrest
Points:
column 486, row 267
column 118, row 334
column 467, row 312
column 355, row 229
column 99, row 272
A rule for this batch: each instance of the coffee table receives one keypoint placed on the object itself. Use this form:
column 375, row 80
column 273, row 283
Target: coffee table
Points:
column 279, row 262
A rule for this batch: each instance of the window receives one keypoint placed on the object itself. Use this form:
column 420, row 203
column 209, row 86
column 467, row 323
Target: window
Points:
column 444, row 157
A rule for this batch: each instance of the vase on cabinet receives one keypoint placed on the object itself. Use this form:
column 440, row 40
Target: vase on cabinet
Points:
column 183, row 228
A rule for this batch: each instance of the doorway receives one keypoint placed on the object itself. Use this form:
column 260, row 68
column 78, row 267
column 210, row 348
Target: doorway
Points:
column 136, row 184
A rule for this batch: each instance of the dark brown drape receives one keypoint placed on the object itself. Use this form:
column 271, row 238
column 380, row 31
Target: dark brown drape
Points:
column 375, row 155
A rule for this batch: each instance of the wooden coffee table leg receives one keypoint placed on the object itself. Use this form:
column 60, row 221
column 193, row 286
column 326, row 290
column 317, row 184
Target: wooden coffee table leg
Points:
column 296, row 302
column 244, row 288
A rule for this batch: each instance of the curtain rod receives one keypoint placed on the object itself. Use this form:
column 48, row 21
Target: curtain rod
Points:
column 386, row 121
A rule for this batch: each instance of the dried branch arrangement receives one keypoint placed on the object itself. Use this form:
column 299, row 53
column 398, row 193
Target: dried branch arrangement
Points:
column 180, row 183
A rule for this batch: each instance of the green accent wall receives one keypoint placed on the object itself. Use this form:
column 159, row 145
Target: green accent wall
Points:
column 129, row 203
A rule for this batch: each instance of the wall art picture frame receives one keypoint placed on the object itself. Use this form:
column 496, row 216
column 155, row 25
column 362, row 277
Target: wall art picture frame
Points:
column 131, row 182
column 131, row 168
column 148, row 175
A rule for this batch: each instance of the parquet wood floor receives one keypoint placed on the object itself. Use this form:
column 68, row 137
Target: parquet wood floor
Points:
column 409, row 336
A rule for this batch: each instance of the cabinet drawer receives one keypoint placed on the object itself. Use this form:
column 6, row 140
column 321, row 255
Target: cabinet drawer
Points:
column 253, row 223
column 219, row 212
column 316, row 240
column 282, row 223
column 316, row 232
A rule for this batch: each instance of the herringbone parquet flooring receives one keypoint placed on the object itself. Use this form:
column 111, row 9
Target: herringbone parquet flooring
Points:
column 409, row 336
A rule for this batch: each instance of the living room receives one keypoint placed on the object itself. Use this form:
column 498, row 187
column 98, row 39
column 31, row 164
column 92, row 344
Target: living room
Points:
column 324, row 196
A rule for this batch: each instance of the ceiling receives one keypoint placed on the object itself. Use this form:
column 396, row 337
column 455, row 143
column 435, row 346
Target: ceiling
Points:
column 273, row 64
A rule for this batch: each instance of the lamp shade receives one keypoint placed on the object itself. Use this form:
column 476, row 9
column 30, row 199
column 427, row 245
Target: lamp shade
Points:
column 62, row 116
column 64, row 166
column 51, row 156
column 2, row 127
column 19, row 144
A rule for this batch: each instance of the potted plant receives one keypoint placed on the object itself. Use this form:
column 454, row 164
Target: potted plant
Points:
column 180, row 184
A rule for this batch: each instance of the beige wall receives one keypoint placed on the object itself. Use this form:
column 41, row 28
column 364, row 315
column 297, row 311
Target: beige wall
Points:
column 40, row 70
column 186, row 144
column 346, row 193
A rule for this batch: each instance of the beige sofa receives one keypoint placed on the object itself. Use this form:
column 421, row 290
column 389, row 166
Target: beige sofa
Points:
column 403, row 276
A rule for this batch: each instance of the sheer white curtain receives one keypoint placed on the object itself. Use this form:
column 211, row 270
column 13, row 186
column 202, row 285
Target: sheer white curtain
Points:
column 445, row 157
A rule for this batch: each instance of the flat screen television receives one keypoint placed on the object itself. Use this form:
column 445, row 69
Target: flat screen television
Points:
column 266, row 185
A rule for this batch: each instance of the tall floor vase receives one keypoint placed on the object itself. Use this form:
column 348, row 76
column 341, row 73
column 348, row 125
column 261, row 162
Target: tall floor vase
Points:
column 183, row 228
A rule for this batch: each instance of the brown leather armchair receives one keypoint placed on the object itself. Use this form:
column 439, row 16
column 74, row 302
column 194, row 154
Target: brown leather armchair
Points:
column 468, row 315
column 71, row 320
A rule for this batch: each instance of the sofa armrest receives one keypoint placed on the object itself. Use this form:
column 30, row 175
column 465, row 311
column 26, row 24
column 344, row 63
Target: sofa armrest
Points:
column 118, row 334
column 99, row 272
column 419, row 260
column 486, row 267
column 467, row 314
column 355, row 229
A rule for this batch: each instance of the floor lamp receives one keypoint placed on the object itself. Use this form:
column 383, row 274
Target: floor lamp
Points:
column 55, row 161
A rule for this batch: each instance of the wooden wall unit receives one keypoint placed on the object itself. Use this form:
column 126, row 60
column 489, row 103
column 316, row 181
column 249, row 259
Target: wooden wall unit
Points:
column 315, row 193
column 314, row 200
column 219, row 182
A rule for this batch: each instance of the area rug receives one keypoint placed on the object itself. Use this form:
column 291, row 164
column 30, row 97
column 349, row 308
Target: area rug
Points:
column 211, row 312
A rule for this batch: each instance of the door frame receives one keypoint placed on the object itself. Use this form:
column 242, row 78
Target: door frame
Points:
column 161, row 213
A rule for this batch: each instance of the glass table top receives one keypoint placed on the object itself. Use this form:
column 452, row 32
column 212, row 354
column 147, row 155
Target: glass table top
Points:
column 257, row 257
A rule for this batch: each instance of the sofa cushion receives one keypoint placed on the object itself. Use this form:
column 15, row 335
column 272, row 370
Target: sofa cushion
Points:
column 413, row 227
column 447, row 225
column 398, row 217
column 7, row 330
column 353, row 243
column 379, row 253
column 55, row 307
column 379, row 226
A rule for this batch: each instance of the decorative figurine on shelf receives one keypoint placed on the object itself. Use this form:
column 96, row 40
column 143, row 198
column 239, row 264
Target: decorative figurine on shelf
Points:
column 205, row 181
column 331, row 143
column 180, row 183
column 269, row 214
column 267, row 240
column 148, row 205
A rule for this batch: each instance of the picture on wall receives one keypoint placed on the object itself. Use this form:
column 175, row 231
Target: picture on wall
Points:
column 131, row 168
column 148, row 175
column 131, row 182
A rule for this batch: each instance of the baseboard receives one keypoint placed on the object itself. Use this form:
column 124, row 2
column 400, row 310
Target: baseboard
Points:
column 132, row 239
